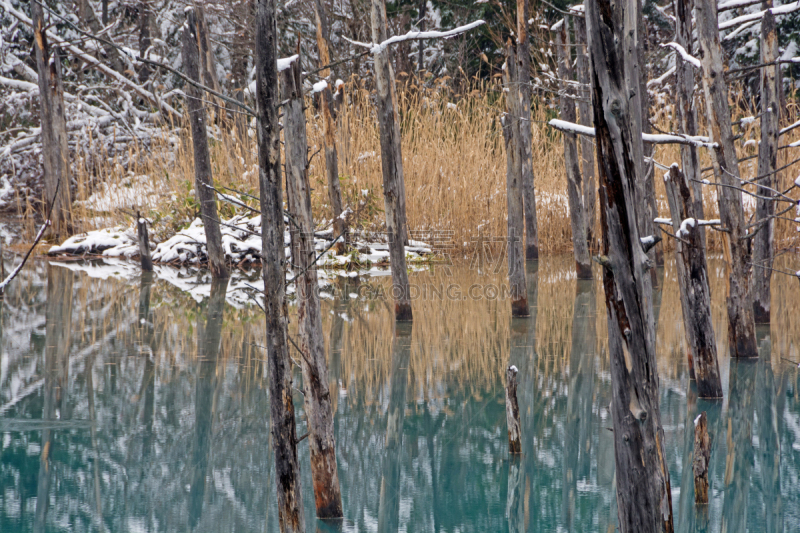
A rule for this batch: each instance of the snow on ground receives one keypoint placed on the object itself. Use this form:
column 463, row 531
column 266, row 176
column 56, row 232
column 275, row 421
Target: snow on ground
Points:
column 129, row 192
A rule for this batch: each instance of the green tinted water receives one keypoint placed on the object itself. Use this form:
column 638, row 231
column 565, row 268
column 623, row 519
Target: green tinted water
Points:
column 124, row 408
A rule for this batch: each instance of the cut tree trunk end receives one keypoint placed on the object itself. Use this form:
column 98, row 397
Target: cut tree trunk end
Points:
column 577, row 211
column 702, row 456
column 690, row 260
column 392, row 167
column 524, row 142
column 763, row 241
column 144, row 243
column 644, row 498
column 317, row 398
column 741, row 323
column 282, row 421
column 512, row 411
column 202, row 160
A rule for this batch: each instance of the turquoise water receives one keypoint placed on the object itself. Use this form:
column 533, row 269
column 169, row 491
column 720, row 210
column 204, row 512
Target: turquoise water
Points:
column 123, row 409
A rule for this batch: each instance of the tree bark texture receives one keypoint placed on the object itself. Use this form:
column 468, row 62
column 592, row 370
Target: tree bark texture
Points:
column 702, row 457
column 394, row 193
column 577, row 212
column 512, row 411
column 690, row 261
column 202, row 160
column 317, row 398
column 741, row 324
column 55, row 151
column 389, row 503
column 515, row 222
column 587, row 147
column 525, row 161
column 208, row 63
column 763, row 241
column 283, row 429
column 643, row 486
column 687, row 112
column 329, row 125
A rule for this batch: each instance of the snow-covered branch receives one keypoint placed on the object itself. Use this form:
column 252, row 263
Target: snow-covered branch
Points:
column 689, row 58
column 780, row 10
column 415, row 36
column 698, row 141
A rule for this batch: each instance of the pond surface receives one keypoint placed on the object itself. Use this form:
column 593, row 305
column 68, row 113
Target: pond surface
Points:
column 124, row 408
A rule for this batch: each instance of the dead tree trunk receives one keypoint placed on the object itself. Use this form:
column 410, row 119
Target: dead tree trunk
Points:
column 741, row 325
column 687, row 113
column 283, row 429
column 329, row 125
column 769, row 442
column 144, row 38
column 202, row 159
column 317, row 398
column 512, row 411
column 516, row 259
column 690, row 260
column 55, row 151
column 208, row 63
column 144, row 244
column 763, row 245
column 644, row 498
column 524, row 143
column 587, row 147
column 702, row 455
column 394, row 193
column 583, row 264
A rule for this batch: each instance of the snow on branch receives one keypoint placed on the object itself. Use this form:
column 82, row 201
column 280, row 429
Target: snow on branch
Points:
column 416, row 35
column 658, row 81
column 698, row 141
column 780, row 10
column 689, row 58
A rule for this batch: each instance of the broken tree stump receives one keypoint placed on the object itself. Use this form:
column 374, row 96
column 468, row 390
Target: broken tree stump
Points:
column 512, row 411
column 702, row 454
column 144, row 243
column 690, row 260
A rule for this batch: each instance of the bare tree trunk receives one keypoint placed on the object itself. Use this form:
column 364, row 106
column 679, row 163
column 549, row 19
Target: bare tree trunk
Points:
column 763, row 245
column 317, row 398
column 702, row 456
column 587, row 147
column 577, row 212
column 516, row 259
column 283, row 429
column 512, row 411
column 202, row 159
column 329, row 125
column 144, row 38
column 690, row 260
column 423, row 12
column 741, row 325
column 55, row 151
column 240, row 59
column 644, row 498
column 208, row 63
column 525, row 162
column 394, row 193
column 144, row 244
column 687, row 113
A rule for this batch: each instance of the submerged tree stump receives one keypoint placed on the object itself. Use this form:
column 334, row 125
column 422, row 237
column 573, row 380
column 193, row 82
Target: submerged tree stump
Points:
column 512, row 411
column 317, row 398
column 702, row 455
column 144, row 243
column 690, row 260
